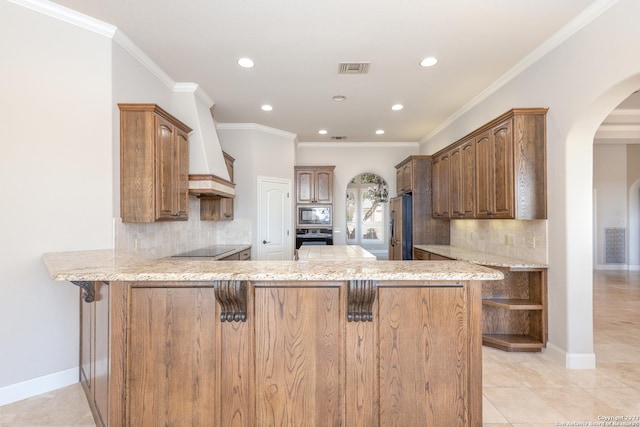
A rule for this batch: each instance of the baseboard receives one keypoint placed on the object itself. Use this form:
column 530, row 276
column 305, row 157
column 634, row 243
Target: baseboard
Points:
column 14, row 392
column 571, row 360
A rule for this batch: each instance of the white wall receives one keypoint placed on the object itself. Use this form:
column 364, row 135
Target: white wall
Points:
column 56, row 183
column 580, row 81
column 610, row 184
column 259, row 151
column 350, row 161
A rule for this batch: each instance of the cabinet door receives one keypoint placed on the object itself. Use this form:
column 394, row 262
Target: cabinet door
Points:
column 455, row 187
column 304, row 186
column 165, row 169
column 399, row 181
column 101, row 371
column 502, row 170
column 395, row 240
column 484, row 194
column 87, row 342
column 468, row 168
column 441, row 208
column 407, row 177
column 323, row 186
column 181, row 159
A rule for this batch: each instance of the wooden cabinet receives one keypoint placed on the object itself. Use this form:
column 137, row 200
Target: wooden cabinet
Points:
column 154, row 165
column 296, row 359
column 244, row 255
column 404, row 176
column 462, row 180
column 514, row 310
column 441, row 186
column 314, row 184
column 218, row 208
column 425, row 230
column 497, row 171
column 94, row 353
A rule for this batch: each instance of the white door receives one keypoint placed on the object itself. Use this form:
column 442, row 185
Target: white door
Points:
column 274, row 231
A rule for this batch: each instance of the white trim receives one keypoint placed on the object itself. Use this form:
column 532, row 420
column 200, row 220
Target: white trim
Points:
column 196, row 89
column 132, row 49
column 633, row 267
column 256, row 127
column 14, row 392
column 571, row 360
column 70, row 16
column 333, row 145
column 588, row 15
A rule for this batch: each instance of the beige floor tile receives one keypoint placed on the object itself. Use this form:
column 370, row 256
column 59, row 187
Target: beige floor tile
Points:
column 521, row 405
column 490, row 414
column 625, row 400
column 574, row 404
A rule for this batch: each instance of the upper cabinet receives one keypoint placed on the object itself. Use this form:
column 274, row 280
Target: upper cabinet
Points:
column 154, row 165
column 314, row 184
column 498, row 171
column 218, row 208
column 404, row 177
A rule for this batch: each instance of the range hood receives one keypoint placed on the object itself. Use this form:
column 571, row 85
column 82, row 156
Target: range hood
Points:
column 208, row 174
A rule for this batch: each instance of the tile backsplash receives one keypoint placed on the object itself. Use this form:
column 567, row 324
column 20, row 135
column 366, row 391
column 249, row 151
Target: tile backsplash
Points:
column 526, row 240
column 162, row 239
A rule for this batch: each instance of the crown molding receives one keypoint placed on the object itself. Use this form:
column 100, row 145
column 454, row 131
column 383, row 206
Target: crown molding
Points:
column 257, row 127
column 576, row 24
column 333, row 145
column 70, row 16
column 196, row 89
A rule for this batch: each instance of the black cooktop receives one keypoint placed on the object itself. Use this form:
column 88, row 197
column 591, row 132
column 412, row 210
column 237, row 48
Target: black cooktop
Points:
column 211, row 251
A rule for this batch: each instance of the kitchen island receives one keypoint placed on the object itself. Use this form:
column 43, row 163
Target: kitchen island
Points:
column 334, row 253
column 182, row 342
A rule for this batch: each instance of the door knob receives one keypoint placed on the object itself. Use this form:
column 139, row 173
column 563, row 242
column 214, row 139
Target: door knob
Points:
column 264, row 242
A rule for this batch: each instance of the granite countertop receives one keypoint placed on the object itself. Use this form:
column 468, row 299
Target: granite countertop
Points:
column 108, row 265
column 213, row 253
column 480, row 258
column 334, row 252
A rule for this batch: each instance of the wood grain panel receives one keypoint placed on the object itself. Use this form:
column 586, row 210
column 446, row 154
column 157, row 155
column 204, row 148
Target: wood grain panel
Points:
column 299, row 357
column 423, row 357
column 171, row 375
column 235, row 341
column 362, row 379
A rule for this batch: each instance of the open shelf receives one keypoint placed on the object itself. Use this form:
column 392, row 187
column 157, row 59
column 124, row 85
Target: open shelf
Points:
column 513, row 304
column 512, row 342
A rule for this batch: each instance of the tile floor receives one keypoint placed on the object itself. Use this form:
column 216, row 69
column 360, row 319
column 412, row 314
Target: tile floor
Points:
column 520, row 389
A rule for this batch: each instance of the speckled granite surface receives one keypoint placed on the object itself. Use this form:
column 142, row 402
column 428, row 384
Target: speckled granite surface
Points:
column 334, row 252
column 107, row 265
column 476, row 257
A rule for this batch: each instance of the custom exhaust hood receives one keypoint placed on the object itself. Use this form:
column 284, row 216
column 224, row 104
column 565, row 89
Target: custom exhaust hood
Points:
column 208, row 174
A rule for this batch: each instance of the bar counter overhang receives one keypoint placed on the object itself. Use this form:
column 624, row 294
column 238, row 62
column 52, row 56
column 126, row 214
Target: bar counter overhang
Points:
column 352, row 343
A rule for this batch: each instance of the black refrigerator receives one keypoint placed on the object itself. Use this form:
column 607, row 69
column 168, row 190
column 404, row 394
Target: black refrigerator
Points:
column 401, row 228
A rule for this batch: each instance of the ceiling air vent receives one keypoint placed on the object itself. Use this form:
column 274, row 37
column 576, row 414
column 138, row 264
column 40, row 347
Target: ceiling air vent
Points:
column 353, row 67
column 338, row 138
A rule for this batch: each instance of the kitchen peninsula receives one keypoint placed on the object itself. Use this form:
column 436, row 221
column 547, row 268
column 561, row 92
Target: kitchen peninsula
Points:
column 353, row 343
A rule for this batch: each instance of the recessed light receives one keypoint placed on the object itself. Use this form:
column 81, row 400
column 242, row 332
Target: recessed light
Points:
column 246, row 63
column 397, row 107
column 429, row 62
column 323, row 132
column 379, row 132
column 266, row 107
column 339, row 98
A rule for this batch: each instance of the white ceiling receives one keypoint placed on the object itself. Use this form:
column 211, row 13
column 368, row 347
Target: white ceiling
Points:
column 297, row 45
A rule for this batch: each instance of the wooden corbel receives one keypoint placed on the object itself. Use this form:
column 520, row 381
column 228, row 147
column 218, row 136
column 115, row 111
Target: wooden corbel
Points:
column 362, row 294
column 232, row 297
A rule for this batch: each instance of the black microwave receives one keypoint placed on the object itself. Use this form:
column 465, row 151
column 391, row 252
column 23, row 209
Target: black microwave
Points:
column 314, row 216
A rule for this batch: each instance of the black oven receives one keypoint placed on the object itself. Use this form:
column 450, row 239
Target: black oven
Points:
column 314, row 236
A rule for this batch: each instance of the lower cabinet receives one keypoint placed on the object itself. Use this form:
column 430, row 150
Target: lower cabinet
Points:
column 514, row 310
column 296, row 359
column 94, row 353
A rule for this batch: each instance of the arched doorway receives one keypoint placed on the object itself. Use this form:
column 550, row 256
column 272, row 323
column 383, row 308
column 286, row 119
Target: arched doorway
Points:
column 367, row 213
